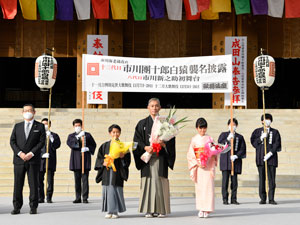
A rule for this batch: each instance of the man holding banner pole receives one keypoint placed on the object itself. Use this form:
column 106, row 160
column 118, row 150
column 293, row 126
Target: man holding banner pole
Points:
column 273, row 145
column 229, row 158
column 54, row 144
column 77, row 148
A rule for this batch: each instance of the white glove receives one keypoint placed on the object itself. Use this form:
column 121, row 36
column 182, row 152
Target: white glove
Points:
column 85, row 149
column 48, row 133
column 230, row 136
column 233, row 157
column 263, row 135
column 267, row 156
column 45, row 156
column 82, row 133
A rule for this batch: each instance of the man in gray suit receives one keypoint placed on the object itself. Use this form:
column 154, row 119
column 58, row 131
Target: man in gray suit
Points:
column 27, row 139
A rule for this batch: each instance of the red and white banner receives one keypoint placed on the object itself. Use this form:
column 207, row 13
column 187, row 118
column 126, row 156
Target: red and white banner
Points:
column 205, row 74
column 97, row 97
column 237, row 47
column 97, row 45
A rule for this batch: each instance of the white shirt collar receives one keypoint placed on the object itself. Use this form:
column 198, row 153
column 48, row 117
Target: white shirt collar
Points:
column 30, row 122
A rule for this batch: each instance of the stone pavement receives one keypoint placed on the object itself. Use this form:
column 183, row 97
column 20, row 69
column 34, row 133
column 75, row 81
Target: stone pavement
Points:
column 64, row 212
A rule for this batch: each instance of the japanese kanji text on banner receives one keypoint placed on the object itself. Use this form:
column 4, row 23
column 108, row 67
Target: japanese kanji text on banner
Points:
column 237, row 46
column 97, row 45
column 207, row 74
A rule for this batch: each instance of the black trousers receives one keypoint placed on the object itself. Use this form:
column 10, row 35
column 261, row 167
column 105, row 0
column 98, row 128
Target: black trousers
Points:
column 81, row 184
column 233, row 185
column 20, row 171
column 262, row 183
column 50, row 186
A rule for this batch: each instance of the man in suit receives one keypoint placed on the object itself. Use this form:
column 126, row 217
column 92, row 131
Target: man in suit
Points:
column 54, row 144
column 239, row 152
column 273, row 143
column 26, row 141
column 75, row 143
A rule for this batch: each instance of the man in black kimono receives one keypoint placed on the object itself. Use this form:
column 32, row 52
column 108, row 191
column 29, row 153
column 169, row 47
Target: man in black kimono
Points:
column 75, row 143
column 54, row 144
column 27, row 139
column 153, row 201
column 239, row 152
column 273, row 142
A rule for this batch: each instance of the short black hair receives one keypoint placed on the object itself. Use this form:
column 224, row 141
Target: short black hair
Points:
column 116, row 126
column 30, row 106
column 234, row 120
column 77, row 121
column 46, row 119
column 268, row 117
column 201, row 123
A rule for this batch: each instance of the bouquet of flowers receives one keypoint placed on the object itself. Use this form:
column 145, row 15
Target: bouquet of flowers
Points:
column 116, row 148
column 164, row 129
column 204, row 153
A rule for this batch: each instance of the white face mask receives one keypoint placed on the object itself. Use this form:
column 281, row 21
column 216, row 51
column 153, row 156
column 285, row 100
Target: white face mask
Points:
column 46, row 127
column 77, row 129
column 27, row 115
column 234, row 128
column 268, row 122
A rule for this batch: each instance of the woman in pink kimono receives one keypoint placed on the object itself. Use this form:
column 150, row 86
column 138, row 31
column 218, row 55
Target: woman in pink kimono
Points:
column 202, row 175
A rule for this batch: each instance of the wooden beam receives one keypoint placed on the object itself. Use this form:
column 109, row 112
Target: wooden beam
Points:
column 114, row 30
column 221, row 28
column 83, row 29
column 247, row 26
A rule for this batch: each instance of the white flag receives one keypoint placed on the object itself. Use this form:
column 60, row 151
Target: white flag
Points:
column 174, row 9
column 275, row 8
column 83, row 9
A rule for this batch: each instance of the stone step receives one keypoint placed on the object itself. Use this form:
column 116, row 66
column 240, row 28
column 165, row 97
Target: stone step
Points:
column 98, row 120
column 96, row 190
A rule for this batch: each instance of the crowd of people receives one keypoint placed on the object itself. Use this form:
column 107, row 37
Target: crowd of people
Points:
column 29, row 143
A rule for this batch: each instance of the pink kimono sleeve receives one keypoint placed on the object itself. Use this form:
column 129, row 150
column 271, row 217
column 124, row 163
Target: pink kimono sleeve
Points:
column 192, row 162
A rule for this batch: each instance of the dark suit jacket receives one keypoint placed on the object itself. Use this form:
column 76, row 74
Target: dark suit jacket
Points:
column 75, row 145
column 34, row 142
column 52, row 153
column 166, row 158
column 239, row 149
column 273, row 145
column 122, row 167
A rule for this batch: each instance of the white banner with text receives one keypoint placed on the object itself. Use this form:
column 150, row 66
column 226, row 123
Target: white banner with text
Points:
column 205, row 74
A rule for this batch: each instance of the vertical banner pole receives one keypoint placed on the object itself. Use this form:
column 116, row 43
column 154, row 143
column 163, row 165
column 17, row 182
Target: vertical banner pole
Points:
column 231, row 130
column 265, row 141
column 47, row 142
column 48, row 137
column 82, row 138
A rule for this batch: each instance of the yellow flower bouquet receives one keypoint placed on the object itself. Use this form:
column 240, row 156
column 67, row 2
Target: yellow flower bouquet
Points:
column 116, row 148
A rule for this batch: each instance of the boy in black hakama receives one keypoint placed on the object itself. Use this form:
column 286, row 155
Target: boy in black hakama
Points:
column 112, row 181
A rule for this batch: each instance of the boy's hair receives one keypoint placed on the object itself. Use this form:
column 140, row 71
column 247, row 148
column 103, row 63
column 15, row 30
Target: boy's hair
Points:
column 116, row 126
column 77, row 121
column 234, row 120
column 201, row 123
column 268, row 117
column 46, row 119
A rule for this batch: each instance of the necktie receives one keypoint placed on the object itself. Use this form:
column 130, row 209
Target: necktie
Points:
column 27, row 129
